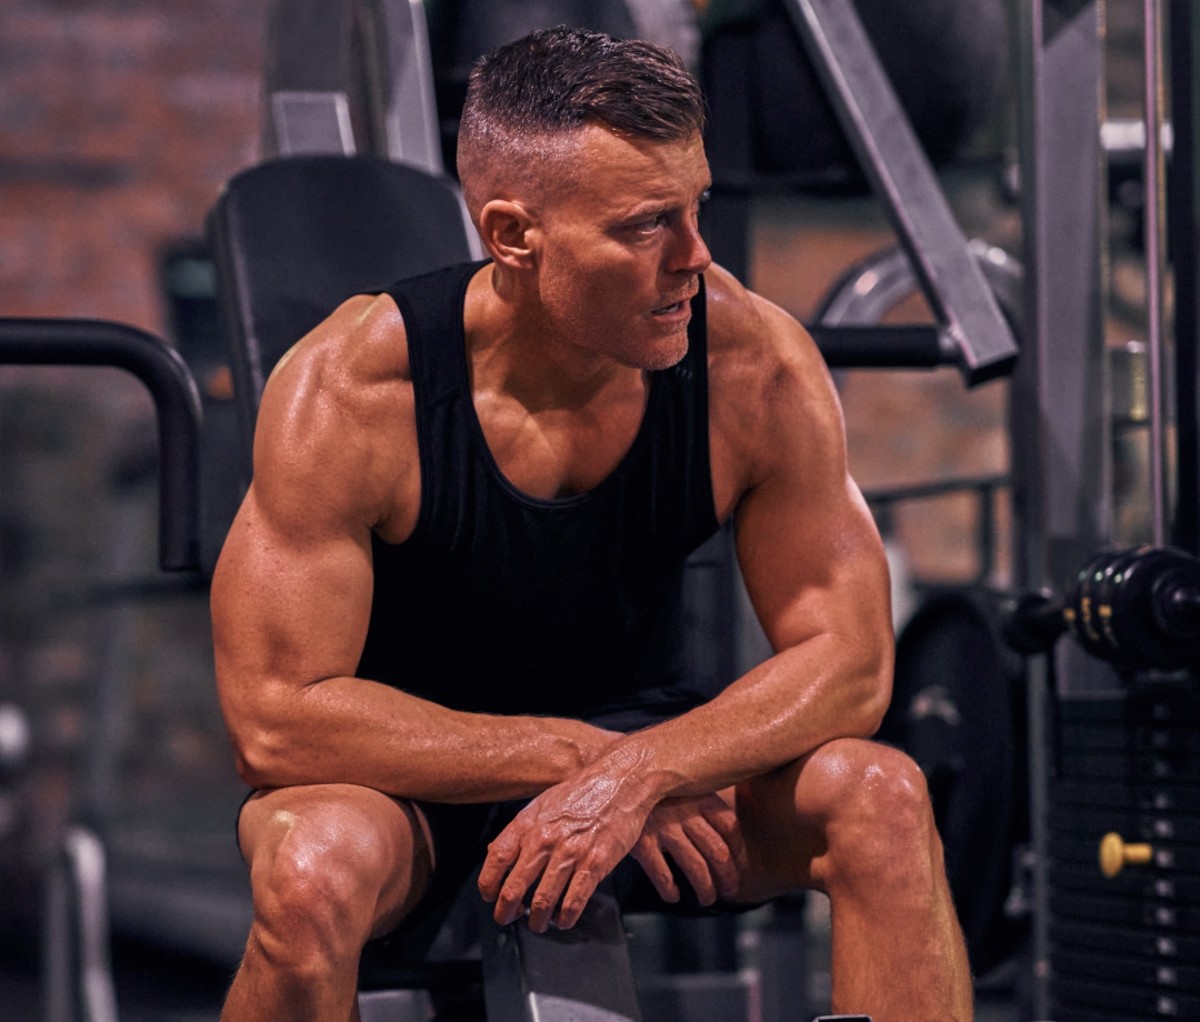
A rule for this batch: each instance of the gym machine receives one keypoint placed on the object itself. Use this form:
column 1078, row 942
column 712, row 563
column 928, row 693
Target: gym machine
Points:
column 76, row 970
column 1115, row 861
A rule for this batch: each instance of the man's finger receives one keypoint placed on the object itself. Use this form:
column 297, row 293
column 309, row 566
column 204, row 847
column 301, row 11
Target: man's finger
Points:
column 583, row 886
column 696, row 867
column 501, row 855
column 654, row 864
column 718, row 857
column 725, row 822
column 549, row 890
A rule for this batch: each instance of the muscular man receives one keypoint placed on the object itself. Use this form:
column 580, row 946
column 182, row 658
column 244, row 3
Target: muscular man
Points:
column 453, row 584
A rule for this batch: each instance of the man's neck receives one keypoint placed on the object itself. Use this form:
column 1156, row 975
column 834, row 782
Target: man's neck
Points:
column 511, row 350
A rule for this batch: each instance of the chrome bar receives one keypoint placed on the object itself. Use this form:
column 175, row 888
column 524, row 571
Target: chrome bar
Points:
column 1154, row 221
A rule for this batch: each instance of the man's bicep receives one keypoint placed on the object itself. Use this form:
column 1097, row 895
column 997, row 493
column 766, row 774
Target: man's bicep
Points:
column 812, row 565
column 290, row 603
column 809, row 549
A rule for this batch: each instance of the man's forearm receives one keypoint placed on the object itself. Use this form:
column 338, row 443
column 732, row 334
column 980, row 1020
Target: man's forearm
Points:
column 779, row 711
column 347, row 730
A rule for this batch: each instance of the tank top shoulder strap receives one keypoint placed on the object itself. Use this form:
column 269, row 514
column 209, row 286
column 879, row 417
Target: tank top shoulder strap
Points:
column 432, row 308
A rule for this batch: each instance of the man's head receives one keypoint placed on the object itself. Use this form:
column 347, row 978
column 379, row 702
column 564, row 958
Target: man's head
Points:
column 583, row 166
column 527, row 101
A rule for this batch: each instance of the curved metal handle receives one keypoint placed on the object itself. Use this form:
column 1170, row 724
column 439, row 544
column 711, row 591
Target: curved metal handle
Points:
column 28, row 341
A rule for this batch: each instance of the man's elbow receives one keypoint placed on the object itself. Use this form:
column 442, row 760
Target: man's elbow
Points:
column 874, row 690
column 260, row 755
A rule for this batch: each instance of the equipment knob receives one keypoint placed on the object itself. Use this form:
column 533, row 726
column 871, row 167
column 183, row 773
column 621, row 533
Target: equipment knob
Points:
column 1115, row 854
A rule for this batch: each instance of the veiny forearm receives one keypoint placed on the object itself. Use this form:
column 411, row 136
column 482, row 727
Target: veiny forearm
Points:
column 778, row 712
column 350, row 730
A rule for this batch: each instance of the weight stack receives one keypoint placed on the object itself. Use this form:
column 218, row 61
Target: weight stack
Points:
column 1126, row 948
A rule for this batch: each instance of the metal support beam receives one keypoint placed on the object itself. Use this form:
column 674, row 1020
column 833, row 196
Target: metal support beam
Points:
column 399, row 88
column 1059, row 420
column 350, row 76
column 1061, row 434
column 308, row 78
column 1183, row 226
column 900, row 173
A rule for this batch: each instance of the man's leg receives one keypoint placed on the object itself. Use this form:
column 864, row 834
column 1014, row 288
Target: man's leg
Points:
column 854, row 820
column 330, row 867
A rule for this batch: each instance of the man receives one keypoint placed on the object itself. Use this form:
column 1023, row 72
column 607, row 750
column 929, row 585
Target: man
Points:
column 453, row 583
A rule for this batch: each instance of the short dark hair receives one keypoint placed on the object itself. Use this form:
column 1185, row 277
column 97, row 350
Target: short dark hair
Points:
column 556, row 80
column 561, row 78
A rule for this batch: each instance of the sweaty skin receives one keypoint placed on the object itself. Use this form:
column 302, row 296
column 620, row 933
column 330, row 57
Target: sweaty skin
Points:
column 752, row 794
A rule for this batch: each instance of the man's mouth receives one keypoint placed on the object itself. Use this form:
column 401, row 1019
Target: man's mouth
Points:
column 677, row 306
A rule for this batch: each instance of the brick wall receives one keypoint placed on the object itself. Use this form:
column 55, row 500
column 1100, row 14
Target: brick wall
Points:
column 119, row 121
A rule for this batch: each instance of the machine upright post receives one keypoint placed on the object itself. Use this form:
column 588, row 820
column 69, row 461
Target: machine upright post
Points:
column 1183, row 192
column 1059, row 424
column 1154, row 220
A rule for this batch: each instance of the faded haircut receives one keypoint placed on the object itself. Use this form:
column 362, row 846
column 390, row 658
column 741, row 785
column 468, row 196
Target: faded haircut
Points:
column 525, row 99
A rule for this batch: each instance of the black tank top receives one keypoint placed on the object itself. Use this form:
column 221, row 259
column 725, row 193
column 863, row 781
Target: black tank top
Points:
column 501, row 602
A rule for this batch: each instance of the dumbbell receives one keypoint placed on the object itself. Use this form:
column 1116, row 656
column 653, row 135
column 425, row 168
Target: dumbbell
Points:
column 1138, row 607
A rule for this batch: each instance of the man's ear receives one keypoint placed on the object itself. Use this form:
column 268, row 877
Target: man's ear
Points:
column 508, row 230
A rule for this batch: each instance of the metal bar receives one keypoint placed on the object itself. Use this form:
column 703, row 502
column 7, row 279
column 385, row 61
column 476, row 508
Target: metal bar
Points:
column 1059, row 416
column 86, row 856
column 866, row 292
column 1183, row 185
column 579, row 975
column 883, row 347
column 399, row 85
column 892, row 159
column 1059, row 422
column 1153, row 226
column 984, row 486
column 1038, row 688
column 308, row 77
column 87, row 342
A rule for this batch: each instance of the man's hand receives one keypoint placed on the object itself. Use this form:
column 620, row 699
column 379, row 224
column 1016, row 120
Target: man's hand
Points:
column 571, row 836
column 701, row 835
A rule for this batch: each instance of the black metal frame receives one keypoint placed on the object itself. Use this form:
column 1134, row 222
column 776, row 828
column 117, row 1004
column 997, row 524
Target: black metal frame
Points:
column 89, row 342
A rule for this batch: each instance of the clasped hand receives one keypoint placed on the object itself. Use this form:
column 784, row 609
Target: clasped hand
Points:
column 571, row 836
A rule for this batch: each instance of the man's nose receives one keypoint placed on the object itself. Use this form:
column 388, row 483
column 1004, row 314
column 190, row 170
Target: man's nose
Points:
column 689, row 253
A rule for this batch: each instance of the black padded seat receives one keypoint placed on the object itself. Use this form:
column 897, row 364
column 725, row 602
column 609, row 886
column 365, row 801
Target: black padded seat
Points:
column 293, row 237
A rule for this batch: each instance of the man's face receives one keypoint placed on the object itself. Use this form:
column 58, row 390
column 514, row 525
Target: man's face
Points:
column 620, row 252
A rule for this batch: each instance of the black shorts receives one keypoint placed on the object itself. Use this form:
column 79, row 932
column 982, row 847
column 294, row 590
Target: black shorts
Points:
column 461, row 833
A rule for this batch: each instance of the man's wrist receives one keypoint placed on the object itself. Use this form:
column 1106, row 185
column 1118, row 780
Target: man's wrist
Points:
column 632, row 762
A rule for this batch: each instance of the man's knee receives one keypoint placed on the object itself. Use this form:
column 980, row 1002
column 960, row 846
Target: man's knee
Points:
column 881, row 824
column 325, row 878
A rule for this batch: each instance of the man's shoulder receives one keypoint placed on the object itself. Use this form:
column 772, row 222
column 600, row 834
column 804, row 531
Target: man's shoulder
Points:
column 769, row 385
column 349, row 373
column 361, row 343
column 750, row 337
column 336, row 415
